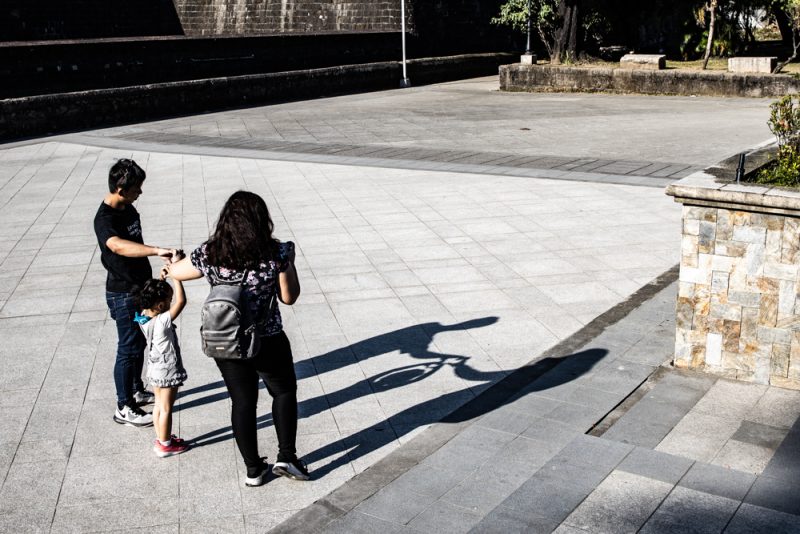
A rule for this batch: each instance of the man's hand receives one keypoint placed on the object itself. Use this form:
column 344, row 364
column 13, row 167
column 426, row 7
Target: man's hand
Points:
column 168, row 254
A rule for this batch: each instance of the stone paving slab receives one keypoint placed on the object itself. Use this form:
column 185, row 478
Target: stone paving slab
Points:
column 390, row 281
column 568, row 481
column 418, row 276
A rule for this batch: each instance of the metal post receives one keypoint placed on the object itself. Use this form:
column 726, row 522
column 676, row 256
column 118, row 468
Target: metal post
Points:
column 740, row 168
column 405, row 82
column 528, row 45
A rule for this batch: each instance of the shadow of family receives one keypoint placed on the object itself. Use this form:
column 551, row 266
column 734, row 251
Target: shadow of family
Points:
column 416, row 341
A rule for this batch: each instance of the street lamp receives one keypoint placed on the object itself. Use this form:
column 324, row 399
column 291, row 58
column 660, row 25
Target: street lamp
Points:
column 404, row 82
column 528, row 58
column 528, row 44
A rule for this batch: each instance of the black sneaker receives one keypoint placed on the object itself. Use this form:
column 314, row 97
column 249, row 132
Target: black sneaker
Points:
column 144, row 397
column 296, row 470
column 133, row 416
column 257, row 476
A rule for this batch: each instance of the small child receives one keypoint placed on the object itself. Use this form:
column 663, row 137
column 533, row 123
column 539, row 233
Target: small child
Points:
column 165, row 370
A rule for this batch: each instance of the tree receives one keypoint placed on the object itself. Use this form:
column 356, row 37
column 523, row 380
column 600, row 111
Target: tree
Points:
column 712, row 8
column 792, row 10
column 560, row 24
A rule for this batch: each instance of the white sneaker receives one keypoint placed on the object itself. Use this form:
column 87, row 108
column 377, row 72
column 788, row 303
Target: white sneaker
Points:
column 295, row 470
column 133, row 416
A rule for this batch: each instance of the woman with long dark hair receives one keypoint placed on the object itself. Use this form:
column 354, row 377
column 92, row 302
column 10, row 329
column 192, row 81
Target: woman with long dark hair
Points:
column 242, row 249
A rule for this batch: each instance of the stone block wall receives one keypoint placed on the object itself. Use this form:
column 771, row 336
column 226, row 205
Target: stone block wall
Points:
column 544, row 78
column 738, row 309
column 34, row 20
column 247, row 17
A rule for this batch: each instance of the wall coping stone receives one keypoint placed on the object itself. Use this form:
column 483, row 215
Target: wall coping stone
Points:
column 705, row 189
column 643, row 61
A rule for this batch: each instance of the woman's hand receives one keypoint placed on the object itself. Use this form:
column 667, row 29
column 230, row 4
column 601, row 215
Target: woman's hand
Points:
column 290, row 253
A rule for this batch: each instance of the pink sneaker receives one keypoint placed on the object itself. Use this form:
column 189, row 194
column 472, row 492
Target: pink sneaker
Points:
column 162, row 451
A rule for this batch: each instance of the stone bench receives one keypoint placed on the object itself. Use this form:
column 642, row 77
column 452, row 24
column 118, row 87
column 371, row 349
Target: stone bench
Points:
column 763, row 65
column 643, row 61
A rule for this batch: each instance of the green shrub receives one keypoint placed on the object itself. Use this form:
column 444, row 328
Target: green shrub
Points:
column 784, row 122
column 784, row 171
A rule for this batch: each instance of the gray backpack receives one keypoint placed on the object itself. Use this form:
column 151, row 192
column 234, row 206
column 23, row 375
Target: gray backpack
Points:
column 228, row 330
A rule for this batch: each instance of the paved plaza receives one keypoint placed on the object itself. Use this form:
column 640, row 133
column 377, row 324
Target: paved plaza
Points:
column 478, row 298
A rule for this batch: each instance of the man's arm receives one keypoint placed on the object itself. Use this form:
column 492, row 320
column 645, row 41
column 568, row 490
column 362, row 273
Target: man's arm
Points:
column 132, row 249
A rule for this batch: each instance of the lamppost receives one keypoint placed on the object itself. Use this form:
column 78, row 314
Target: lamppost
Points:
column 528, row 44
column 404, row 82
column 528, row 58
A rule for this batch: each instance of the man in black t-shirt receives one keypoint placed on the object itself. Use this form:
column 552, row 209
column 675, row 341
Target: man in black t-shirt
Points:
column 124, row 255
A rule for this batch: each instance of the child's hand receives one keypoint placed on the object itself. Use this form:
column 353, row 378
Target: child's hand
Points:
column 165, row 271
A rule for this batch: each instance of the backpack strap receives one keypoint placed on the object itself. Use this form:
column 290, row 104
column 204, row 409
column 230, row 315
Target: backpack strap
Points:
column 261, row 320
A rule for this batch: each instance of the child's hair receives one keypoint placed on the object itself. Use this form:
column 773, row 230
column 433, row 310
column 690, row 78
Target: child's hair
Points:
column 153, row 292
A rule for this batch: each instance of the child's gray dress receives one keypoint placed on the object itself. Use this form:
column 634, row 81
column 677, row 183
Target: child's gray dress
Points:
column 164, row 363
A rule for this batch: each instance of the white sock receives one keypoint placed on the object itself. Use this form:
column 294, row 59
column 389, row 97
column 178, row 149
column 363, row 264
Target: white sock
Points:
column 166, row 443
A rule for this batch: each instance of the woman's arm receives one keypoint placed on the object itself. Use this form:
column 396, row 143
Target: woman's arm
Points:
column 288, row 284
column 183, row 270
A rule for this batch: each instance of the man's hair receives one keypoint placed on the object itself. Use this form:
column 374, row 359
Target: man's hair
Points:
column 124, row 174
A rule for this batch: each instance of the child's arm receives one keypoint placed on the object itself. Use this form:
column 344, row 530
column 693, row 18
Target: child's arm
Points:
column 178, row 297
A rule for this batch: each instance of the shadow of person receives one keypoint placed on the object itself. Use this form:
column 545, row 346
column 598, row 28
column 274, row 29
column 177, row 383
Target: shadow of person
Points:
column 456, row 407
column 413, row 340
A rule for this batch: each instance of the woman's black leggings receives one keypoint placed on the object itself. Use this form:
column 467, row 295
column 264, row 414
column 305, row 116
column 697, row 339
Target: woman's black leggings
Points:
column 275, row 366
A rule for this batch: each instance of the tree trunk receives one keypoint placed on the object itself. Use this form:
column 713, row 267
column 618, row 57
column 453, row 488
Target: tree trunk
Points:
column 795, row 47
column 713, row 9
column 783, row 21
column 565, row 45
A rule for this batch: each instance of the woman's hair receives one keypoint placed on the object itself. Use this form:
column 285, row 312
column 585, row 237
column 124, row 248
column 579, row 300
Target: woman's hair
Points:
column 153, row 292
column 243, row 237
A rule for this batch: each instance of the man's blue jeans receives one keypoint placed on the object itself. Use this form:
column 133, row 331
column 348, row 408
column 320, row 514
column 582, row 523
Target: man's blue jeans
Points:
column 130, row 347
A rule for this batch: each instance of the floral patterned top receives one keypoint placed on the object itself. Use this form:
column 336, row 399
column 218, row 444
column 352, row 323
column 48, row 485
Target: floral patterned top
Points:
column 261, row 284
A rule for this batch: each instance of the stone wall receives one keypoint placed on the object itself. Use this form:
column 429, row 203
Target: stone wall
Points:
column 451, row 25
column 33, row 20
column 518, row 77
column 57, row 113
column 738, row 311
column 247, row 17
column 48, row 67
